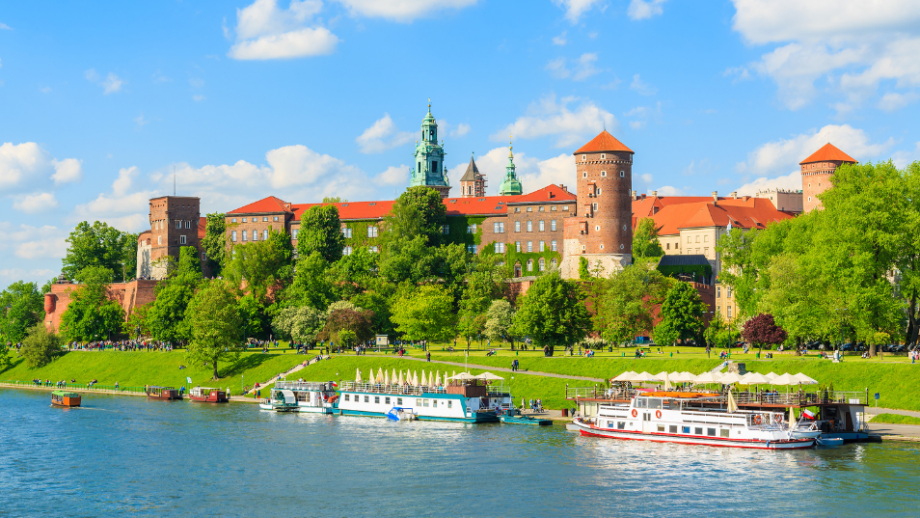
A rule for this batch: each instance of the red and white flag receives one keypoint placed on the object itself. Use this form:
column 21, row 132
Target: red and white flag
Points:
column 808, row 413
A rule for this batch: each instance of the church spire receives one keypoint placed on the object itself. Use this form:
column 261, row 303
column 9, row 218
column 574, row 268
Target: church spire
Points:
column 429, row 167
column 511, row 186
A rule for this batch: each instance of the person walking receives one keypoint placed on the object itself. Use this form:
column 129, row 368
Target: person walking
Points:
column 428, row 356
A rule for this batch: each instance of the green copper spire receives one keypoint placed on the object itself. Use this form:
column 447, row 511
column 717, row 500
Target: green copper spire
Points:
column 429, row 167
column 511, row 186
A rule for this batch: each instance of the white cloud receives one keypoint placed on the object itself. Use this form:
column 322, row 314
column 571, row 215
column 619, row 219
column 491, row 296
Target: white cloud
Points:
column 559, row 40
column 637, row 124
column 35, row 203
column 29, row 242
column 532, row 172
column 382, row 135
column 557, row 69
column 643, row 9
column 555, row 119
column 894, row 101
column 791, row 181
column 642, row 88
column 141, row 121
column 402, row 10
column 300, row 165
column 670, row 190
column 575, row 8
column 112, row 84
column 642, row 114
column 264, row 31
column 68, row 170
column 782, row 155
column 19, row 162
column 461, row 130
column 122, row 184
column 394, row 175
column 5, row 27
column 647, row 178
column 36, row 275
column 583, row 67
column 91, row 75
column 198, row 98
column 849, row 48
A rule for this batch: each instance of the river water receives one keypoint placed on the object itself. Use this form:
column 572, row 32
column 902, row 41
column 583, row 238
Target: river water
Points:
column 127, row 456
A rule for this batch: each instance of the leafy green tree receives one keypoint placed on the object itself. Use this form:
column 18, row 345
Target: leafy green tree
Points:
column 166, row 317
column 719, row 331
column 91, row 314
column 499, row 320
column 627, row 305
column 321, row 231
column 353, row 273
column 681, row 315
column 188, row 261
column 334, row 199
column 380, row 305
column 214, row 243
column 301, row 324
column 583, row 272
column 665, row 334
column 419, row 211
column 356, row 322
column 552, row 312
column 645, row 240
column 100, row 245
column 136, row 325
column 40, row 346
column 478, row 293
column 254, row 317
column 215, row 321
column 311, row 286
column 427, row 313
column 21, row 308
column 263, row 265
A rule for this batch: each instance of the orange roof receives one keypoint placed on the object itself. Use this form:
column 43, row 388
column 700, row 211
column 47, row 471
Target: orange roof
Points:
column 270, row 204
column 828, row 153
column 603, row 142
column 202, row 227
column 746, row 213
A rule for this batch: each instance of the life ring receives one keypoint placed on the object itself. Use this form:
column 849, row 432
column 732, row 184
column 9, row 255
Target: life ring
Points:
column 657, row 414
column 779, row 418
column 758, row 419
column 634, row 412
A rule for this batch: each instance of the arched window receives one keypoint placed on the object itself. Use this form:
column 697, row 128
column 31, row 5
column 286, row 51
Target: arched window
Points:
column 541, row 264
column 530, row 265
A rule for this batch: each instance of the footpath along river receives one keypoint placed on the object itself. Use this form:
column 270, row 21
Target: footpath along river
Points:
column 127, row 456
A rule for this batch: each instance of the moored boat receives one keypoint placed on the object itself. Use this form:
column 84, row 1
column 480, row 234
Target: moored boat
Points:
column 310, row 397
column 514, row 416
column 691, row 418
column 280, row 401
column 65, row 399
column 163, row 393
column 208, row 395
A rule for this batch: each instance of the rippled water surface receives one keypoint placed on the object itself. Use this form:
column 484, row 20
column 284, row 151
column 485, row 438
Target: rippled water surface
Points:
column 126, row 456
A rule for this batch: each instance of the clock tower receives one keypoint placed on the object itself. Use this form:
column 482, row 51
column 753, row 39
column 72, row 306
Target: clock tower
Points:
column 429, row 167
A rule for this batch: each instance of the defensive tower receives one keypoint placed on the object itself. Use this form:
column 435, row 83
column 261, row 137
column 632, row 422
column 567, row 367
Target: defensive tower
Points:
column 817, row 170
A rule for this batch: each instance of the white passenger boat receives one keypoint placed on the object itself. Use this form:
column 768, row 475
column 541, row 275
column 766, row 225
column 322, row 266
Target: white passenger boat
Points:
column 301, row 396
column 692, row 418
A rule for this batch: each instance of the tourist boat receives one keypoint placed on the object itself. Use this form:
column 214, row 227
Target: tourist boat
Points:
column 468, row 400
column 302, row 396
column 691, row 418
column 208, row 395
column 163, row 393
column 65, row 399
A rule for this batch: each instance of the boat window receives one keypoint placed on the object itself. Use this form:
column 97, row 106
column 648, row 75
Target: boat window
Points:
column 673, row 428
column 686, row 429
column 661, row 428
column 399, row 401
column 621, row 425
column 711, row 432
column 699, row 431
column 450, row 404
column 641, row 402
column 346, row 397
column 377, row 399
column 367, row 399
column 386, row 401
column 654, row 403
column 434, row 402
column 724, row 432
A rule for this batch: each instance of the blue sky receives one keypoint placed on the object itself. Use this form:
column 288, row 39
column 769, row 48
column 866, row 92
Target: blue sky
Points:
column 102, row 103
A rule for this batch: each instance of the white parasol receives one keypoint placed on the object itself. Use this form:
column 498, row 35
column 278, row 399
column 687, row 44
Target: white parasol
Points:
column 626, row 376
column 463, row 376
column 804, row 380
column 754, row 378
column 424, row 380
column 402, row 380
column 771, row 375
column 380, row 375
column 358, row 376
column 706, row 377
column 437, row 379
column 643, row 376
column 431, row 379
column 730, row 378
column 732, row 405
column 488, row 376
column 785, row 379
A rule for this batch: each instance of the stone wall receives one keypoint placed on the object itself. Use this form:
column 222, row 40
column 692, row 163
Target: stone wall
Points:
column 129, row 294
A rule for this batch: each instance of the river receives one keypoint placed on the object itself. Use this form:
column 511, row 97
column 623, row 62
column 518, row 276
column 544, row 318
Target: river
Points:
column 127, row 456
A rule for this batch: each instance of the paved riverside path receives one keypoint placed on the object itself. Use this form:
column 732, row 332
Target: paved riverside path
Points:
column 502, row 369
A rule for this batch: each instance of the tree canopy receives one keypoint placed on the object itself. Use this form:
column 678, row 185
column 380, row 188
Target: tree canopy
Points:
column 214, row 243
column 419, row 211
column 321, row 231
column 101, row 245
column 552, row 312
column 214, row 318
column 645, row 240
column 427, row 313
column 681, row 315
column 91, row 314
column 762, row 330
column 21, row 308
column 626, row 307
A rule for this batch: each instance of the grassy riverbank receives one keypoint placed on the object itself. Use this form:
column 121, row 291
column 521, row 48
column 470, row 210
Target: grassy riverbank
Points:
column 895, row 419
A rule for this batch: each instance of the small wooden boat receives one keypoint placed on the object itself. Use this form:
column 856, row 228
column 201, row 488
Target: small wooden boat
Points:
column 515, row 417
column 829, row 442
column 164, row 393
column 65, row 399
column 208, row 395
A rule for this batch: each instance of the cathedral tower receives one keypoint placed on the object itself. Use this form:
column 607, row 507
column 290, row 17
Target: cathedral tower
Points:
column 429, row 167
column 511, row 186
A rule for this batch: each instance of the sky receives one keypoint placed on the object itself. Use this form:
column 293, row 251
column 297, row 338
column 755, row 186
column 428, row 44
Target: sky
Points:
column 104, row 105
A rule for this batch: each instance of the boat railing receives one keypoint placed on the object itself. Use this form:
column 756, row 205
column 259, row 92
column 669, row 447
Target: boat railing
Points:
column 407, row 390
column 598, row 392
column 802, row 398
column 303, row 386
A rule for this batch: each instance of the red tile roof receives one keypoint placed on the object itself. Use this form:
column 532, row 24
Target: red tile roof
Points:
column 202, row 227
column 827, row 153
column 603, row 142
column 747, row 213
column 270, row 204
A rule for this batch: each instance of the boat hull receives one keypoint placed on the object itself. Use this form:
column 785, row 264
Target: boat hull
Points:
column 67, row 403
column 756, row 444
column 525, row 420
column 211, row 398
column 480, row 417
column 315, row 410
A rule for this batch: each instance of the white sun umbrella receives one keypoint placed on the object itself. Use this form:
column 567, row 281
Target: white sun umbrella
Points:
column 358, row 376
column 463, row 376
column 644, row 376
column 415, row 382
column 771, row 375
column 664, row 377
column 386, row 377
column 437, row 379
column 730, row 378
column 431, row 379
column 805, row 380
column 785, row 379
column 754, row 378
column 402, row 380
column 488, row 376
column 685, row 377
column 380, row 375
column 626, row 376
column 393, row 377
column 706, row 377
column 424, row 380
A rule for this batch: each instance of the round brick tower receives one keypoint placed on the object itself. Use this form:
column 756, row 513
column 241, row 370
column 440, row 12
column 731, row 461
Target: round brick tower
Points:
column 601, row 230
column 817, row 170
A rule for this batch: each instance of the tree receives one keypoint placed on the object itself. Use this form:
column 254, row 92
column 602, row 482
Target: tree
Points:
column 425, row 314
column 419, row 211
column 378, row 303
column 321, row 231
column 334, row 199
column 356, row 322
column 136, row 325
column 40, row 346
column 628, row 301
column 718, row 332
column 214, row 243
column 681, row 314
column 552, row 312
column 91, row 314
column 645, row 240
column 21, row 308
column 166, row 318
column 762, row 330
column 100, row 245
column 478, row 293
column 302, row 325
column 215, row 322
column 583, row 272
column 311, row 286
column 264, row 266
column 499, row 320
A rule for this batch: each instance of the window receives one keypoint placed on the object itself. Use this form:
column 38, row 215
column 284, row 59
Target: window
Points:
column 672, row 428
column 552, row 262
column 729, row 294
column 517, row 209
column 698, row 431
column 181, row 240
column 188, row 224
column 517, row 226
column 233, row 236
column 584, row 158
column 728, row 312
column 367, row 399
column 718, row 292
column 565, row 208
column 706, row 239
column 499, row 248
column 597, row 193
column 541, row 264
column 445, row 229
column 265, row 235
column 552, row 224
column 705, row 250
column 372, row 249
column 255, row 235
column 244, row 220
column 471, row 249
column 275, row 218
column 597, row 228
column 530, row 246
column 529, row 209
column 594, row 206
column 685, row 429
column 552, row 245
column 542, row 246
column 265, row 219
column 347, row 396
column 517, row 246
column 232, row 220
column 711, row 432
column 661, row 428
column 724, row 432
column 347, row 232
column 294, row 233
column 530, row 226
column 386, row 401
column 244, row 236
column 178, row 224
column 604, row 174
column 471, row 229
column 542, row 226
column 621, row 425
column 346, row 250
column 159, row 240
column 602, row 246
column 621, row 247
column 399, row 401
column 372, row 231
column 377, row 399
column 667, row 246
column 553, row 208
column 584, row 174
column 622, row 174
column 603, row 156
column 530, row 265
column 450, row 404
column 498, row 227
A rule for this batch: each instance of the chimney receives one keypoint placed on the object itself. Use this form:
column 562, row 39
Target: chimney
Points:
column 734, row 195
column 564, row 188
column 643, row 196
column 655, row 193
column 715, row 197
column 635, row 197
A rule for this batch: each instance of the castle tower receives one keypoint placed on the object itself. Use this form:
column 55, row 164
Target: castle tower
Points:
column 511, row 186
column 429, row 167
column 817, row 170
column 173, row 224
column 473, row 183
column 601, row 230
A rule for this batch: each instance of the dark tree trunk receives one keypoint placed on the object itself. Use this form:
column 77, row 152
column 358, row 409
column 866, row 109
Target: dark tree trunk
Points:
column 214, row 363
column 912, row 328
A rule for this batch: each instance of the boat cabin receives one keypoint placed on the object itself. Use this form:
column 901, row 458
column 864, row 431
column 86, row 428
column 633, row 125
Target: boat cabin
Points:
column 65, row 399
column 164, row 393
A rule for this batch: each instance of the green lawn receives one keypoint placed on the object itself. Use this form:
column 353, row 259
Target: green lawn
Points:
column 896, row 419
